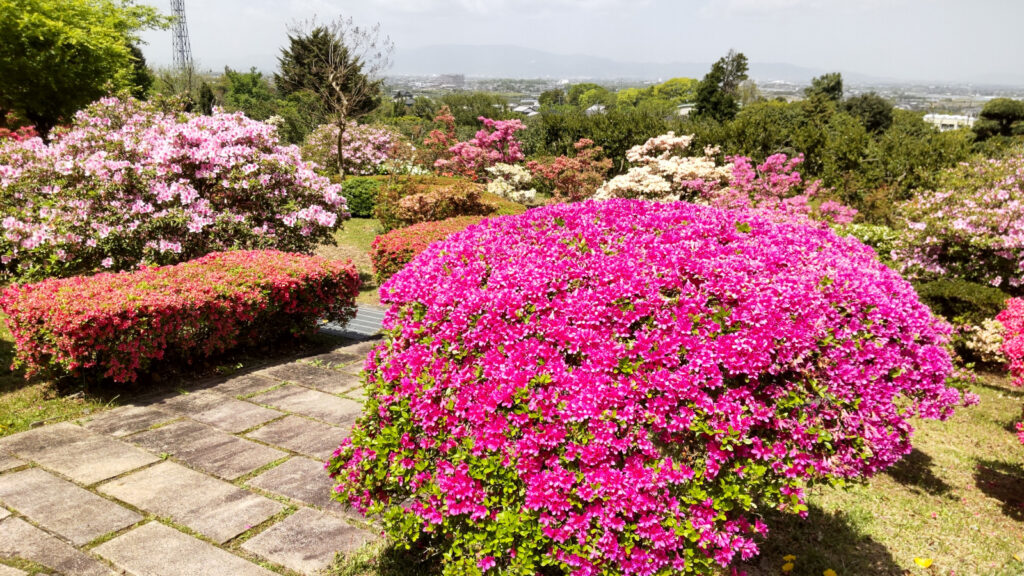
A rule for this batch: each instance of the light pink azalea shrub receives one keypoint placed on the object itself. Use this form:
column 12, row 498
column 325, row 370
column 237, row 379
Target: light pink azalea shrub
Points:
column 117, row 325
column 366, row 149
column 971, row 227
column 662, row 171
column 129, row 183
column 623, row 387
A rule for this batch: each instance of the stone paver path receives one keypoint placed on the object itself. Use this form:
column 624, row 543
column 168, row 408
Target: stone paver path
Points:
column 223, row 479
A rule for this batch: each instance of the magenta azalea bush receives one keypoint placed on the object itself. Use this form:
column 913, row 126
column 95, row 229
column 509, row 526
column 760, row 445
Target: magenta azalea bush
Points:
column 1012, row 320
column 970, row 228
column 623, row 387
column 129, row 183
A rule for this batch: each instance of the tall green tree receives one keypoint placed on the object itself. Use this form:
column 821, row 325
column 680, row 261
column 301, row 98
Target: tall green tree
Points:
column 873, row 111
column 828, row 86
column 56, row 56
column 1000, row 117
column 347, row 75
column 717, row 94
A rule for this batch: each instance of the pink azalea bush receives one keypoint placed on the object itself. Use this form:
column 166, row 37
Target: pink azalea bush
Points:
column 116, row 325
column 494, row 143
column 663, row 172
column 129, row 183
column 619, row 387
column 971, row 227
column 1012, row 320
column 366, row 149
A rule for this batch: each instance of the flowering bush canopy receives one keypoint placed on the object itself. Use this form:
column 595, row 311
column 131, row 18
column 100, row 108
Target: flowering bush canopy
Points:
column 414, row 200
column 366, row 149
column 117, row 324
column 1012, row 320
column 576, row 178
column 512, row 182
column 774, row 188
column 494, row 143
column 390, row 252
column 617, row 387
column 971, row 227
column 129, row 184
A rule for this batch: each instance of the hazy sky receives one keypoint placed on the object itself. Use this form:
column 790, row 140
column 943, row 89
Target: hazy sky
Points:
column 973, row 40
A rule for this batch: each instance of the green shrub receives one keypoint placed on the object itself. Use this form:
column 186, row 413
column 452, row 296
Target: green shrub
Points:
column 406, row 201
column 361, row 195
column 962, row 302
column 881, row 238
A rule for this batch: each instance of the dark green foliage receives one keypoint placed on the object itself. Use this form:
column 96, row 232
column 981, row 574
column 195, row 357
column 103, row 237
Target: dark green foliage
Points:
column 960, row 301
column 828, row 86
column 873, row 111
column 576, row 91
column 998, row 118
column 207, row 99
column 299, row 63
column 249, row 92
column 717, row 93
column 361, row 195
column 142, row 78
column 553, row 97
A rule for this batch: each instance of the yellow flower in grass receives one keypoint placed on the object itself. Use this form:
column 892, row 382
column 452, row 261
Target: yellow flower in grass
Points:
column 1019, row 557
column 829, row 572
column 787, row 567
column 789, row 557
column 923, row 562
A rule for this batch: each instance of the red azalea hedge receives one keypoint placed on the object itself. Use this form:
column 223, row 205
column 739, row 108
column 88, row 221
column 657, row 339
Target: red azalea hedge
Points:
column 116, row 324
column 392, row 251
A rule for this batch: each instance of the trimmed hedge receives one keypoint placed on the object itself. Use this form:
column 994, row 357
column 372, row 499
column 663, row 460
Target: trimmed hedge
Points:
column 960, row 301
column 392, row 251
column 361, row 195
column 115, row 325
column 406, row 201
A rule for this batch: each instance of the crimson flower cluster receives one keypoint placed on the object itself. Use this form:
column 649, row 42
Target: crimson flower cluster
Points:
column 494, row 143
column 390, row 252
column 117, row 324
column 620, row 387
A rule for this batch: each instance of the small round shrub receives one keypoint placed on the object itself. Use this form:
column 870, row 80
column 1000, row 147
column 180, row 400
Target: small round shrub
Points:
column 390, row 252
column 962, row 302
column 407, row 201
column 621, row 387
column 361, row 195
column 130, row 183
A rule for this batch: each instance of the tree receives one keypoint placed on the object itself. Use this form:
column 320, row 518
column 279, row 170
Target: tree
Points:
column 344, row 71
column 678, row 90
column 827, row 86
column 553, row 97
column 249, row 92
column 300, row 63
column 873, row 111
column 998, row 118
column 577, row 90
column 56, row 56
column 717, row 94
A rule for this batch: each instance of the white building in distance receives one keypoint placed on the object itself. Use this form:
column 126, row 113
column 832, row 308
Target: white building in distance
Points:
column 946, row 122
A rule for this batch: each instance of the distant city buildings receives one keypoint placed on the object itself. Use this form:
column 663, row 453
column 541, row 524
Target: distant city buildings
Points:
column 946, row 122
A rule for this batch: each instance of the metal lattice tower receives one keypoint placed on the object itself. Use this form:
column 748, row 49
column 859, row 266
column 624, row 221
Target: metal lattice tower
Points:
column 182, row 46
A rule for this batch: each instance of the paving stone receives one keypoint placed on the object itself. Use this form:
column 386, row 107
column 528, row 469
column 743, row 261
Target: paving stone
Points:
column 325, row 379
column 8, row 571
column 246, row 384
column 302, row 435
column 128, row 420
column 307, row 541
column 158, row 550
column 212, row 507
column 221, row 411
column 300, row 479
column 8, row 462
column 62, row 507
column 330, row 409
column 82, row 455
column 207, row 448
column 19, row 539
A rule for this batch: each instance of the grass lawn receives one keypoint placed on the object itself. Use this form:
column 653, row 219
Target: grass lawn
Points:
column 354, row 241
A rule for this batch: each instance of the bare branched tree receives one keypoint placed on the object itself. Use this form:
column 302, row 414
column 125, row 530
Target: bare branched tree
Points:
column 343, row 64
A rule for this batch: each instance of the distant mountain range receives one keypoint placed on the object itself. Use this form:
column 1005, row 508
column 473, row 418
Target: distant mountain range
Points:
column 519, row 62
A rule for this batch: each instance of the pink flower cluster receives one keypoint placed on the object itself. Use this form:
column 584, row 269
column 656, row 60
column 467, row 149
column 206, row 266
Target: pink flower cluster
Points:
column 1012, row 320
column 971, row 227
column 495, row 143
column 130, row 183
column 366, row 149
column 619, row 387
column 117, row 324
